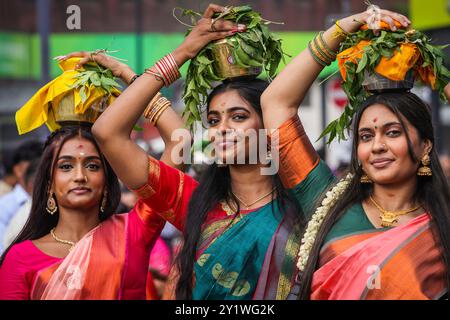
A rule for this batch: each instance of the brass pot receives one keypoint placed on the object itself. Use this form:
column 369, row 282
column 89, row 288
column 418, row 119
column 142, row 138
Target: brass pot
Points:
column 64, row 113
column 224, row 63
column 375, row 82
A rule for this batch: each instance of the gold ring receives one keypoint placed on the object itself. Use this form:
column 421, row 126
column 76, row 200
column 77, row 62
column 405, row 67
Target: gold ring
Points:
column 213, row 21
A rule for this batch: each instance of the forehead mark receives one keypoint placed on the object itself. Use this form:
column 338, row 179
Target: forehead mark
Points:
column 375, row 120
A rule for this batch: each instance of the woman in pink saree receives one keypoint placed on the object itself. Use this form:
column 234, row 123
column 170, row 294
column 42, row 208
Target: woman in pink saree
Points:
column 73, row 245
column 82, row 250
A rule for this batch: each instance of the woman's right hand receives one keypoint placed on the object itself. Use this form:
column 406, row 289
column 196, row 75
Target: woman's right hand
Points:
column 206, row 30
column 373, row 17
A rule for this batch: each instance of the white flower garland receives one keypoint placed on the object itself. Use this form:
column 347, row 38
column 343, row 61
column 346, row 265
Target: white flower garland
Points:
column 319, row 215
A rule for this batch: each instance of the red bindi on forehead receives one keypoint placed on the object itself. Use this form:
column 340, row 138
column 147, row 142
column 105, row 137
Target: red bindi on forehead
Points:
column 375, row 120
column 80, row 146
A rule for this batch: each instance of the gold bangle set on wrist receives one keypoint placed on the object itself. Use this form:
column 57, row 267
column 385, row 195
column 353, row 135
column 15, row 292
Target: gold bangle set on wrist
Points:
column 320, row 51
column 156, row 108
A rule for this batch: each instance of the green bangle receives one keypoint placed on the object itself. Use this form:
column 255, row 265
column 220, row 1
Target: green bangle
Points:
column 332, row 54
column 315, row 57
column 324, row 57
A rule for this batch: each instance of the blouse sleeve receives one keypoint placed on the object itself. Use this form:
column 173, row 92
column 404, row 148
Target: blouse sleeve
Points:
column 300, row 168
column 13, row 283
column 167, row 192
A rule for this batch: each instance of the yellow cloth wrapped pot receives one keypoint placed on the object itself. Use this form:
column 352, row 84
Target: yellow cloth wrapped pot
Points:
column 45, row 104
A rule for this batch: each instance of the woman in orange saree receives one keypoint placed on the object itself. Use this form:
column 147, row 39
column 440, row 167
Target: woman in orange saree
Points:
column 383, row 232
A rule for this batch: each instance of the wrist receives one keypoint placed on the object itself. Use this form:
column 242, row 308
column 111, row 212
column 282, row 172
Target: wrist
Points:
column 127, row 74
column 181, row 56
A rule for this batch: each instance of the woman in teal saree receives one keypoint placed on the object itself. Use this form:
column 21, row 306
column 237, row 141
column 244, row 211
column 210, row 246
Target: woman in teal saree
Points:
column 241, row 228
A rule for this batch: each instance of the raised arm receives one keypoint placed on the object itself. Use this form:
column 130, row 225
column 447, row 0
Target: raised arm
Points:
column 112, row 130
column 300, row 168
column 280, row 101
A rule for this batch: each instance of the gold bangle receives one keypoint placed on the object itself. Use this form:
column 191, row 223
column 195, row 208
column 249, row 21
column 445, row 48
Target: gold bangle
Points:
column 156, row 107
column 324, row 57
column 332, row 54
column 339, row 32
column 315, row 55
column 152, row 106
column 158, row 113
column 156, row 118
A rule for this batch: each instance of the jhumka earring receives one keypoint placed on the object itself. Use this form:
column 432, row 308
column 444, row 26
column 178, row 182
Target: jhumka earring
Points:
column 425, row 170
column 105, row 198
column 51, row 204
column 365, row 179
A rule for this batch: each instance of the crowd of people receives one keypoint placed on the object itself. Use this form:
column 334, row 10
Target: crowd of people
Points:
column 91, row 215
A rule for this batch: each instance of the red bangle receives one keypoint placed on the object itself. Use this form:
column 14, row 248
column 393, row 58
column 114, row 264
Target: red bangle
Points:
column 168, row 68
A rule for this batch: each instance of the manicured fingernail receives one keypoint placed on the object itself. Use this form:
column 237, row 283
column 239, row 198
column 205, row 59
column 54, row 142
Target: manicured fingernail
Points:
column 394, row 28
column 242, row 27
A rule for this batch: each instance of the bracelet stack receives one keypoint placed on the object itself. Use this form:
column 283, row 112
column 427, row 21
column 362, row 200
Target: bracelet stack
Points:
column 156, row 108
column 165, row 70
column 320, row 51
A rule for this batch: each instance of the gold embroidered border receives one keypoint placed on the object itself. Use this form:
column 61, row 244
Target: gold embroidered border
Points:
column 291, row 250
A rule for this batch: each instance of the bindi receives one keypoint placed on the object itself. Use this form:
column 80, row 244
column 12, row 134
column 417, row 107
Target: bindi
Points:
column 80, row 146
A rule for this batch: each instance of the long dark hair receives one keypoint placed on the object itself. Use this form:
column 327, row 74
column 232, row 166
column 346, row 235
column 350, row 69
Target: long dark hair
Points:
column 432, row 192
column 40, row 222
column 215, row 185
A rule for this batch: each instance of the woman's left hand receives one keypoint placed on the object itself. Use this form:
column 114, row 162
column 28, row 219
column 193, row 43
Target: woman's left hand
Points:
column 119, row 69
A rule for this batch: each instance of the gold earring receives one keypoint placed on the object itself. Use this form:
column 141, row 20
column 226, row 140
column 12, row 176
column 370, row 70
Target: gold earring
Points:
column 51, row 204
column 365, row 179
column 425, row 170
column 103, row 206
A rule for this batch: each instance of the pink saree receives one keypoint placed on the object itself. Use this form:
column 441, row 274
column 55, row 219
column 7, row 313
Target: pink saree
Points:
column 110, row 262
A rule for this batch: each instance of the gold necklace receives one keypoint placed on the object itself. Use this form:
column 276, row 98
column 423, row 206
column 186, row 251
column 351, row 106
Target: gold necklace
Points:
column 389, row 218
column 70, row 243
column 247, row 206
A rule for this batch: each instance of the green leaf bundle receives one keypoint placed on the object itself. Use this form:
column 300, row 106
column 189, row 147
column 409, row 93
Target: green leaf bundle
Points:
column 383, row 45
column 97, row 76
column 256, row 47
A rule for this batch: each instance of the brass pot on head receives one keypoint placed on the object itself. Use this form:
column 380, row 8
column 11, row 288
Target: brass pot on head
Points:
column 225, row 64
column 376, row 83
column 64, row 113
